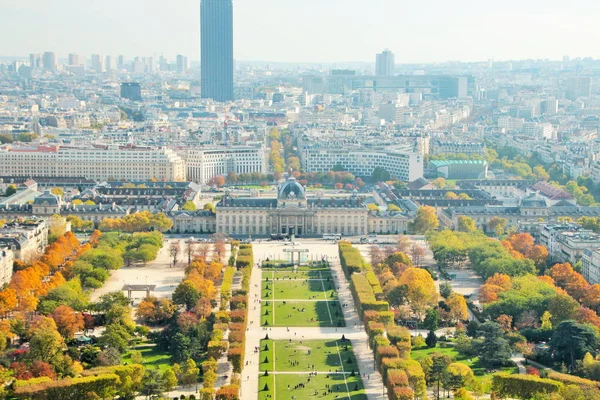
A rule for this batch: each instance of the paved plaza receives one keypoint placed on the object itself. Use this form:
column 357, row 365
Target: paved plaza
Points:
column 341, row 384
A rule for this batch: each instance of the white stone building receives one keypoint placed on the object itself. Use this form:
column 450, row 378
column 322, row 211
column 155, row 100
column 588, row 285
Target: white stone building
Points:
column 107, row 162
column 206, row 163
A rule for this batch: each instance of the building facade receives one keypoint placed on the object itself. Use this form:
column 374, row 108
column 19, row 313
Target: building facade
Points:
column 291, row 213
column 206, row 163
column 216, row 52
column 385, row 63
column 403, row 164
column 100, row 163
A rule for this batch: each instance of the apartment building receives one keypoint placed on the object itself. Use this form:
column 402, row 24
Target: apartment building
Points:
column 399, row 162
column 206, row 163
column 108, row 162
column 26, row 240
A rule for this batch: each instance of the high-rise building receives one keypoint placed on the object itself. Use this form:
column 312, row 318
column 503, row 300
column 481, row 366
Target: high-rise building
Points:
column 74, row 59
column 35, row 60
column 216, row 34
column 120, row 62
column 131, row 91
column 182, row 64
column 49, row 61
column 109, row 63
column 578, row 86
column 97, row 63
column 385, row 63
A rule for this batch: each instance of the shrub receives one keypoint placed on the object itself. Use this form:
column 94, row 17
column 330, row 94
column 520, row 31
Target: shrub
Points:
column 523, row 386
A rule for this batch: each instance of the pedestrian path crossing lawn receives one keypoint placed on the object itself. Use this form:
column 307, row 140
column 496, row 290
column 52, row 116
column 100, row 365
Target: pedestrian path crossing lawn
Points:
column 299, row 273
column 302, row 313
column 324, row 369
column 304, row 297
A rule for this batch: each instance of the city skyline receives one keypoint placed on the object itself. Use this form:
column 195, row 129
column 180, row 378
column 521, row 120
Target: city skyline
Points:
column 267, row 30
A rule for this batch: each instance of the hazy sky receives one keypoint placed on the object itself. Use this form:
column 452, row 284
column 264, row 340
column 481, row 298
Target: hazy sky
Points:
column 309, row 30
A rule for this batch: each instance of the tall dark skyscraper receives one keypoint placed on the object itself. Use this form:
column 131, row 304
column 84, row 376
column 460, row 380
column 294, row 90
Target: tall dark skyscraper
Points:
column 216, row 63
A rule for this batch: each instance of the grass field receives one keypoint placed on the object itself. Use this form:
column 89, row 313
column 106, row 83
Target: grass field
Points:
column 302, row 313
column 153, row 359
column 306, row 297
column 483, row 375
column 333, row 364
column 309, row 289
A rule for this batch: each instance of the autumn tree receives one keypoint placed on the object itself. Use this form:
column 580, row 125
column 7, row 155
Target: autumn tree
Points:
column 425, row 220
column 439, row 183
column 68, row 322
column 420, row 291
column 458, row 307
column 189, row 206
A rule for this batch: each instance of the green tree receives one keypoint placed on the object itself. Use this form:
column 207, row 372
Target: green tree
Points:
column 494, row 351
column 571, row 341
column 190, row 372
column 209, row 207
column 437, row 373
column 116, row 336
column 562, row 307
column 497, row 225
column 445, row 289
column 46, row 345
column 57, row 191
column 10, row 190
column 152, row 384
column 189, row 206
column 186, row 294
column 380, row 174
column 431, row 339
column 432, row 319
column 169, row 380
column 466, row 224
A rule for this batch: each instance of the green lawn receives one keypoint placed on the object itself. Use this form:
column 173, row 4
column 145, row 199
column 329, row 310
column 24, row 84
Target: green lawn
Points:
column 481, row 373
column 343, row 386
column 310, row 289
column 301, row 313
column 307, row 297
column 302, row 355
column 153, row 358
column 333, row 361
column 286, row 273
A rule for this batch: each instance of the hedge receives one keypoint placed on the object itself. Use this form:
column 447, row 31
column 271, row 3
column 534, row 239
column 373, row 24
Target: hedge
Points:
column 385, row 352
column 401, row 393
column 396, row 377
column 572, row 379
column 374, row 282
column 350, row 258
column 70, row 389
column 235, row 356
column 398, row 334
column 523, row 386
column 364, row 296
column 239, row 317
column 135, row 373
column 230, row 392
column 216, row 348
column 227, row 282
column 238, row 302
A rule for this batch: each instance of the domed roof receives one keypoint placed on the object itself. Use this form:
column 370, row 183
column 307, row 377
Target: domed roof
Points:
column 291, row 189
